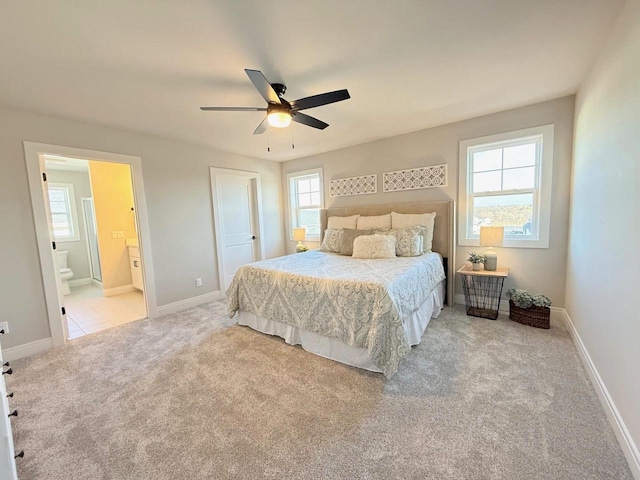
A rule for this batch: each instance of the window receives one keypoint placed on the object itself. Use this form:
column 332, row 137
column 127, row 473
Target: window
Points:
column 62, row 204
column 306, row 199
column 505, row 181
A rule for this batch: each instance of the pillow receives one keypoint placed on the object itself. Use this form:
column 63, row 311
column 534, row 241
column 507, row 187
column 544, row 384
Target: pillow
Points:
column 380, row 222
column 342, row 222
column 402, row 220
column 374, row 246
column 408, row 240
column 332, row 241
column 348, row 236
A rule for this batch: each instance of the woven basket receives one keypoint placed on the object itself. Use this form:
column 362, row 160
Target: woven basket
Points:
column 533, row 316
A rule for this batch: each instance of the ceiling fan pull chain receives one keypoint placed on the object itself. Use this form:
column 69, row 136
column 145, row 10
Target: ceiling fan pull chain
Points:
column 268, row 141
column 293, row 145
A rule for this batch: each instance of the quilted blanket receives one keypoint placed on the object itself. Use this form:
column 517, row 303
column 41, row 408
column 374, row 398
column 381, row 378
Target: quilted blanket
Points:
column 359, row 302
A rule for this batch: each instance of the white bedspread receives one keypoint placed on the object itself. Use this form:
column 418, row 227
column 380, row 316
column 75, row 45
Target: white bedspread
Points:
column 359, row 302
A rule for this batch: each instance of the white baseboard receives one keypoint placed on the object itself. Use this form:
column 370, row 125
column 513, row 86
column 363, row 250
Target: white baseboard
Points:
column 110, row 292
column 96, row 282
column 79, row 281
column 188, row 303
column 31, row 348
column 629, row 448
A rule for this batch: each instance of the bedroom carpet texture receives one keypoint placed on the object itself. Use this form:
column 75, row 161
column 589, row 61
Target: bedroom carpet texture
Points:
column 195, row 396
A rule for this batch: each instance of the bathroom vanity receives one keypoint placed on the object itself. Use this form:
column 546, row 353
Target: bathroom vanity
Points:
column 135, row 263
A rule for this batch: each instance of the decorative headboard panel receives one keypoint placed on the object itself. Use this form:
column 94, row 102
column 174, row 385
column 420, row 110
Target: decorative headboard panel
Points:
column 443, row 232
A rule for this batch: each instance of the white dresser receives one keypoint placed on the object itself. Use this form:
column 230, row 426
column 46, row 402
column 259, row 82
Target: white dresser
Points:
column 7, row 460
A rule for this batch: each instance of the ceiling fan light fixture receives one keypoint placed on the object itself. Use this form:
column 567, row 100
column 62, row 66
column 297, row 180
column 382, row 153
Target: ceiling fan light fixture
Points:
column 279, row 119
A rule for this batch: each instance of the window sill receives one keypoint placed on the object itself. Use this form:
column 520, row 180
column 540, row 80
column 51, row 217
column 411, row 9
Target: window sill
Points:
column 508, row 243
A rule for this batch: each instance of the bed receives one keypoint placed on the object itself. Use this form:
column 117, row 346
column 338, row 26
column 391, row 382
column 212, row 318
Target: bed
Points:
column 364, row 313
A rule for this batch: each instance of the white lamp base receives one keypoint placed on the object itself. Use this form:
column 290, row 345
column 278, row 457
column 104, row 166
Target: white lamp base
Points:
column 301, row 247
column 490, row 260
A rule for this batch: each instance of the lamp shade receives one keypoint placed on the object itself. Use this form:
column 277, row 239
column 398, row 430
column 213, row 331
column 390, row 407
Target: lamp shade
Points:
column 299, row 234
column 491, row 236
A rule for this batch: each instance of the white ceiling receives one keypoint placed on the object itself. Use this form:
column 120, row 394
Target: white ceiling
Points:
column 148, row 65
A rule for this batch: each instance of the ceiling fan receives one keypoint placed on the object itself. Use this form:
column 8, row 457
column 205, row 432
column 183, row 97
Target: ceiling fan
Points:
column 280, row 112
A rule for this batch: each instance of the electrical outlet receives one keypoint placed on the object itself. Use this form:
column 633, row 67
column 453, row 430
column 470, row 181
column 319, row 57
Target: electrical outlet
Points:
column 198, row 282
column 4, row 326
column 117, row 234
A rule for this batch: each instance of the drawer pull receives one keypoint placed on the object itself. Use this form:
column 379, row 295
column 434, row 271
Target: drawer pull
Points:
column 19, row 455
column 7, row 372
column 13, row 414
column 10, row 395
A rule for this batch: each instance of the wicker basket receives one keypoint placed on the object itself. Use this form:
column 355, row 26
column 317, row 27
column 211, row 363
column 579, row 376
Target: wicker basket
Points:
column 533, row 316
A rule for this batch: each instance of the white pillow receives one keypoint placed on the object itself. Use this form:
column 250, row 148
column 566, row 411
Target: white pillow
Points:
column 374, row 246
column 332, row 240
column 427, row 220
column 408, row 240
column 382, row 222
column 343, row 222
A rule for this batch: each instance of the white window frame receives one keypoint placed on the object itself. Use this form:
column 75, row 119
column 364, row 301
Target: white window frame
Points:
column 293, row 199
column 541, row 192
column 73, row 213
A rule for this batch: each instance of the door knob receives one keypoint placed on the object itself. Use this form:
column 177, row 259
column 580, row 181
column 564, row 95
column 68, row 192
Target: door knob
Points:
column 253, row 237
column 10, row 395
column 5, row 364
column 7, row 372
column 13, row 414
column 19, row 455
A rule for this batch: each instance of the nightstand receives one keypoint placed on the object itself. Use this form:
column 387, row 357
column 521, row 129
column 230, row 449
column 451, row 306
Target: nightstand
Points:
column 482, row 290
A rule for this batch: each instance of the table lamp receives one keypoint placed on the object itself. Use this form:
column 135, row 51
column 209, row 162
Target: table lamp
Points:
column 300, row 235
column 491, row 237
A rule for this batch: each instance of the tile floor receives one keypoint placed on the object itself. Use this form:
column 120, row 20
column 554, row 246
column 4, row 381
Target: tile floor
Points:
column 88, row 311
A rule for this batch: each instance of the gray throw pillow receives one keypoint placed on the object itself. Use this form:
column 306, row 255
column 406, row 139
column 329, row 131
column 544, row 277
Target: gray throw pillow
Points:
column 348, row 236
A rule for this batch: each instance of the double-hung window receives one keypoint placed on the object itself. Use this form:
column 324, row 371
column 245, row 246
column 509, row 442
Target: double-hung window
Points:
column 306, row 199
column 62, row 204
column 505, row 181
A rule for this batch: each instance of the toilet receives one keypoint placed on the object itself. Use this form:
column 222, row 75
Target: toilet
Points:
column 65, row 272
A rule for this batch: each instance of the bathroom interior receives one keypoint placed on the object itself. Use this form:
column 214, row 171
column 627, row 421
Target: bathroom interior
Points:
column 97, row 253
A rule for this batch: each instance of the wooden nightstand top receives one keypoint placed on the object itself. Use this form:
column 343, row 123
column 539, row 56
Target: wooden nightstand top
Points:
column 499, row 272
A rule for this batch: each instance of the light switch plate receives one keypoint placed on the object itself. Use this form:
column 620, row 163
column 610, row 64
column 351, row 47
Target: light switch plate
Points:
column 4, row 326
column 117, row 234
column 198, row 282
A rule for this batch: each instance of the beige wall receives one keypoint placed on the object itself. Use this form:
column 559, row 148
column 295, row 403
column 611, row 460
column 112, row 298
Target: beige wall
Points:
column 540, row 270
column 603, row 272
column 178, row 194
column 78, row 259
column 113, row 199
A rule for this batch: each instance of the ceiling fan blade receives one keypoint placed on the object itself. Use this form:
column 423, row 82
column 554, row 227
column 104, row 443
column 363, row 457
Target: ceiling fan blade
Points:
column 233, row 109
column 321, row 99
column 263, row 86
column 262, row 127
column 310, row 121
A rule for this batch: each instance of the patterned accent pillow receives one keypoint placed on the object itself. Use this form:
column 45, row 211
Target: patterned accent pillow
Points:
column 374, row 246
column 332, row 241
column 348, row 236
column 378, row 221
column 408, row 240
column 342, row 222
column 426, row 220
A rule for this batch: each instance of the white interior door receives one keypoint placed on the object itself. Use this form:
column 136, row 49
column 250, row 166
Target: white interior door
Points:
column 45, row 192
column 237, row 231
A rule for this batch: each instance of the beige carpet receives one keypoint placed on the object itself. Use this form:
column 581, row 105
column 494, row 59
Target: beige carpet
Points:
column 193, row 396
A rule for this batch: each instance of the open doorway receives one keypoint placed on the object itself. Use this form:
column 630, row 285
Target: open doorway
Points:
column 100, row 292
column 97, row 256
